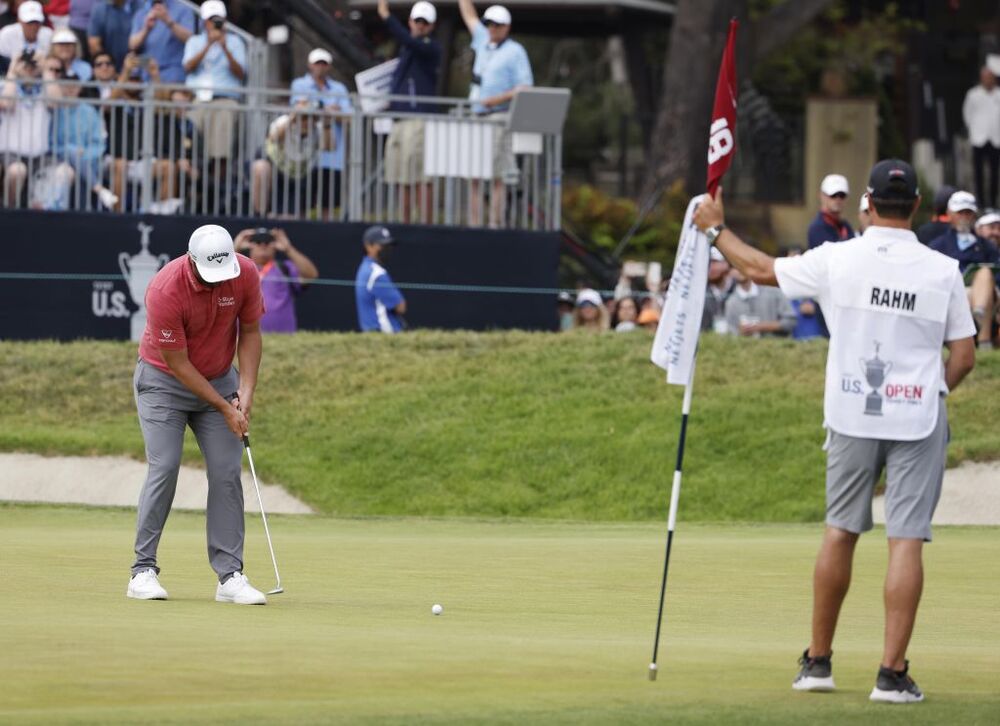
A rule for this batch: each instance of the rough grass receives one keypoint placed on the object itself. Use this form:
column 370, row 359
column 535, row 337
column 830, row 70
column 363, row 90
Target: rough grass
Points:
column 544, row 623
column 494, row 424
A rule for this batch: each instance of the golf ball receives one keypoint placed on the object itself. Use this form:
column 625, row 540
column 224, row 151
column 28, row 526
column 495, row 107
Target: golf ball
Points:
column 437, row 609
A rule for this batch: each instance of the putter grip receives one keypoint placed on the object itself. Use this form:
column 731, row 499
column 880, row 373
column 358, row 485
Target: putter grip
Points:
column 246, row 441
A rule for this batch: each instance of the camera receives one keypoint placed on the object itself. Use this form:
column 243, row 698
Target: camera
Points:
column 28, row 58
column 262, row 235
column 218, row 23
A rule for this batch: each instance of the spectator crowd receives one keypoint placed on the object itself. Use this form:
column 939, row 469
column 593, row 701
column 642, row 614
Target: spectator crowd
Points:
column 111, row 55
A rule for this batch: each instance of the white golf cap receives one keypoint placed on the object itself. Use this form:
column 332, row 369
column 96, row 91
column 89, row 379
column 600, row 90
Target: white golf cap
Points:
column 320, row 55
column 213, row 9
column 30, row 12
column 834, row 184
column 63, row 36
column 962, row 202
column 211, row 247
column 424, row 11
column 988, row 218
column 497, row 14
column 863, row 207
column 588, row 296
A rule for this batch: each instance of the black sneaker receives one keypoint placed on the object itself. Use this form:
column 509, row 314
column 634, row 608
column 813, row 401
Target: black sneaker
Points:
column 816, row 674
column 896, row 687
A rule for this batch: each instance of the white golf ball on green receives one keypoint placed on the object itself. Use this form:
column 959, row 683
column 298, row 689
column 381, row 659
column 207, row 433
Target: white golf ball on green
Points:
column 437, row 609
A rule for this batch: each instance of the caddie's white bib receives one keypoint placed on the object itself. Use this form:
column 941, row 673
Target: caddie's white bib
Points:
column 886, row 301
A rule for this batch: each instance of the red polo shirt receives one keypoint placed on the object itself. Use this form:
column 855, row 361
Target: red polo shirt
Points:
column 182, row 312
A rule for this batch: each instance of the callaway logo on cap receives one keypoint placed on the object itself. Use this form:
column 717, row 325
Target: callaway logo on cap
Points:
column 211, row 249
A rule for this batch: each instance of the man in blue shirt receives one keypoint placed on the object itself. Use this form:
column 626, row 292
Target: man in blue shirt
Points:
column 109, row 28
column 977, row 256
column 215, row 62
column 160, row 28
column 416, row 75
column 500, row 69
column 380, row 304
column 320, row 91
column 829, row 224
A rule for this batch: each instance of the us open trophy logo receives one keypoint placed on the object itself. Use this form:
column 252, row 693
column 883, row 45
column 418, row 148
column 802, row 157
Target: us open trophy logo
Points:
column 875, row 371
column 138, row 271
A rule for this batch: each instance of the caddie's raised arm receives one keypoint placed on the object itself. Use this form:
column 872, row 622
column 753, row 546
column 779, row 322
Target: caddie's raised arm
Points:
column 710, row 219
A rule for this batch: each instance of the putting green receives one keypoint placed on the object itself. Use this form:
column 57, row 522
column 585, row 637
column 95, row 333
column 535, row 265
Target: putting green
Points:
column 543, row 623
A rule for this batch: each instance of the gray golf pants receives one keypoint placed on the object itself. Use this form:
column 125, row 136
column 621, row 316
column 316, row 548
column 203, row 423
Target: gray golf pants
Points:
column 166, row 408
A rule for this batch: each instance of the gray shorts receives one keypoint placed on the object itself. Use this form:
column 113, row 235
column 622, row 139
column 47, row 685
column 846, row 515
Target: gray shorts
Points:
column 914, row 472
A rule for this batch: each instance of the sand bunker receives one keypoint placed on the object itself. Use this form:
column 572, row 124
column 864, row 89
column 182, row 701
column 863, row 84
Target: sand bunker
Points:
column 116, row 481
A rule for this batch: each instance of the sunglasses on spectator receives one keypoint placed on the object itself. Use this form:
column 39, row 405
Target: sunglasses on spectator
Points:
column 490, row 23
column 839, row 195
column 421, row 21
column 98, row 64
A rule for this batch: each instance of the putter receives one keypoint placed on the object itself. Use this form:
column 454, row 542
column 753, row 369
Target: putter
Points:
column 277, row 588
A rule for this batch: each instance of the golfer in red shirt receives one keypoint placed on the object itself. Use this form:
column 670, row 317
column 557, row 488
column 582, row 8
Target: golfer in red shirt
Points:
column 201, row 309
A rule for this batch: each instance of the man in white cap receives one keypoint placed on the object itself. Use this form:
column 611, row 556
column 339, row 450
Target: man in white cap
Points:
column 978, row 259
column 500, row 69
column 66, row 48
column 416, row 75
column 215, row 62
column 829, row 224
column 27, row 34
column 988, row 227
column 320, row 91
column 202, row 308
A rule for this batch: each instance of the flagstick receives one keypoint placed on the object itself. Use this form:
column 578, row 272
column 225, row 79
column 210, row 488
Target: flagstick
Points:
column 675, row 495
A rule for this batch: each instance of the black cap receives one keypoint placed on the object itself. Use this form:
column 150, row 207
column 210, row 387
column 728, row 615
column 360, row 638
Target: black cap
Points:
column 377, row 235
column 941, row 198
column 566, row 297
column 893, row 179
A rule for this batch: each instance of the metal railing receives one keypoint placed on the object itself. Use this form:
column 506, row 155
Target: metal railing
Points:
column 157, row 150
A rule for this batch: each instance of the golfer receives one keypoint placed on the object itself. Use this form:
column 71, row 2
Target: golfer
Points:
column 891, row 304
column 201, row 309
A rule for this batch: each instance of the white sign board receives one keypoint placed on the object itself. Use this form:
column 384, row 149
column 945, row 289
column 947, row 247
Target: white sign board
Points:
column 462, row 149
column 375, row 81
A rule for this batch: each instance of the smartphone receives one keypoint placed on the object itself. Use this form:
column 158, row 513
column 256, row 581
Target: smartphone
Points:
column 654, row 275
column 144, row 61
column 262, row 235
column 218, row 23
column 633, row 268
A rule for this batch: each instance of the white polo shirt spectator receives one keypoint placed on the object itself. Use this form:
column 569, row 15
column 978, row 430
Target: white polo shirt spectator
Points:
column 981, row 113
column 28, row 32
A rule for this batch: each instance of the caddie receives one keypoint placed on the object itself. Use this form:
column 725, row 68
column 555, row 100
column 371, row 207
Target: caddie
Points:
column 891, row 305
column 202, row 308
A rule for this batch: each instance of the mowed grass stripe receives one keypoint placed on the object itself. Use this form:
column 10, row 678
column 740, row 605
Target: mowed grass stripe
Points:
column 544, row 623
column 567, row 426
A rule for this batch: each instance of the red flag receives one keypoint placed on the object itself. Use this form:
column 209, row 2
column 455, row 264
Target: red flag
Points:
column 722, row 136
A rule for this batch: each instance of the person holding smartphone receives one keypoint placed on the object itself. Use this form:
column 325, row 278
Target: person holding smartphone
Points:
column 160, row 28
column 284, row 274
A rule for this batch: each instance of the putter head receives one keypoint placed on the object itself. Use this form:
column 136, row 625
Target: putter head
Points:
column 276, row 591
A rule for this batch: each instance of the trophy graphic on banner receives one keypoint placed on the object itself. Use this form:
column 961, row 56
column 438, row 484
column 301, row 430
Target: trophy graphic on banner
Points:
column 875, row 371
column 138, row 271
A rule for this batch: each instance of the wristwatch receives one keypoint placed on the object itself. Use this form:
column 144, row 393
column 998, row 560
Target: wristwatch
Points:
column 713, row 233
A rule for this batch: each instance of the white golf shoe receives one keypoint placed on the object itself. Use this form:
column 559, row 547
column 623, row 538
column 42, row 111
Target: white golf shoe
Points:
column 237, row 589
column 145, row 586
